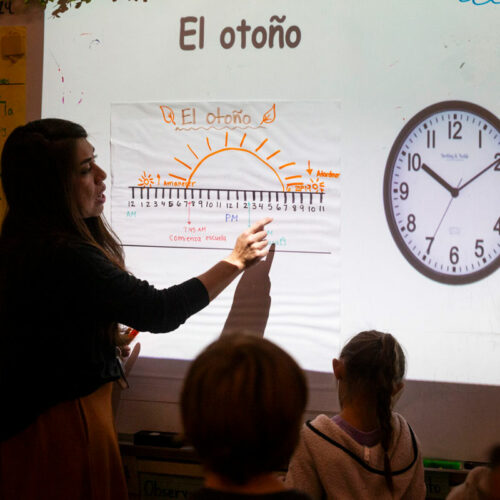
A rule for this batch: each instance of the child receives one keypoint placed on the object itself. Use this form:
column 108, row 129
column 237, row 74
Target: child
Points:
column 242, row 405
column 367, row 451
column 482, row 483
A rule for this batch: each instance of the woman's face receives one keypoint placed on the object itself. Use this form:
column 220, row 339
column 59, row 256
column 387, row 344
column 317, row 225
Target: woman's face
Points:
column 88, row 181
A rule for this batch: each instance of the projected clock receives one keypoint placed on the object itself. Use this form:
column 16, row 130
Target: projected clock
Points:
column 442, row 192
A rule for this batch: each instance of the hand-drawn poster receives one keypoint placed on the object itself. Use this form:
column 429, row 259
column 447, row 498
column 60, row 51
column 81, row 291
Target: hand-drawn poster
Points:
column 12, row 86
column 188, row 178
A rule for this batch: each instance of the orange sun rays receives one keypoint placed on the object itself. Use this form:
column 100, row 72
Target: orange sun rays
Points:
column 227, row 147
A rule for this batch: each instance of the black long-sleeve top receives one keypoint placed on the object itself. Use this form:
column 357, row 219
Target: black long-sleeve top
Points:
column 58, row 304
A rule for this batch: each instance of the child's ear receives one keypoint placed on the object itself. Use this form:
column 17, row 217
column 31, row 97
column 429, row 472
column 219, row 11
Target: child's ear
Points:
column 338, row 368
column 398, row 389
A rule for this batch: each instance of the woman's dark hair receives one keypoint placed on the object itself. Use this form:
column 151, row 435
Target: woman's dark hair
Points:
column 241, row 404
column 375, row 364
column 38, row 167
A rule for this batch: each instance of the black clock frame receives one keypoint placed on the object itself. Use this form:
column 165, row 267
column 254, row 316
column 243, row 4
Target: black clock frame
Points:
column 389, row 213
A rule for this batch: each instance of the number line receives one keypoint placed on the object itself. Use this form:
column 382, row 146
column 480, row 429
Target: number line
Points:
column 228, row 191
column 318, row 252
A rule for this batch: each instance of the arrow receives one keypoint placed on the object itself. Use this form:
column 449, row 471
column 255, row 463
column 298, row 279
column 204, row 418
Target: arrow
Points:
column 189, row 213
column 309, row 169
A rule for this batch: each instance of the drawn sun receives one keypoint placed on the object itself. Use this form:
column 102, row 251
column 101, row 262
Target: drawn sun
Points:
column 245, row 166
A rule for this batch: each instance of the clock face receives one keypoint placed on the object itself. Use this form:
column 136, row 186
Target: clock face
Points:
column 442, row 192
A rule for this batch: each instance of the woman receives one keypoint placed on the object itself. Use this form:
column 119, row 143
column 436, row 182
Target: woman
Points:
column 367, row 451
column 63, row 291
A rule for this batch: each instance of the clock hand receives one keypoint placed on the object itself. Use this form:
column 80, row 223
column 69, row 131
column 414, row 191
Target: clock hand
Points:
column 453, row 191
column 442, row 218
column 496, row 164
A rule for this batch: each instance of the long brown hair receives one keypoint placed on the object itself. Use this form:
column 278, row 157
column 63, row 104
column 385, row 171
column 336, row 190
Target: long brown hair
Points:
column 375, row 363
column 38, row 167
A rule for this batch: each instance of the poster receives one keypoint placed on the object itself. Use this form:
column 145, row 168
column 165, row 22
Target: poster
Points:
column 189, row 177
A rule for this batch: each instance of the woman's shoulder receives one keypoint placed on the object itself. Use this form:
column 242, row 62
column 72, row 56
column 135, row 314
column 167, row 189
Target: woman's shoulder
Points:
column 34, row 251
column 74, row 247
column 45, row 244
column 54, row 256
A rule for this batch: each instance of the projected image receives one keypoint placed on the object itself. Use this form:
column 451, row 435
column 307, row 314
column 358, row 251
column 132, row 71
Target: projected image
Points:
column 441, row 192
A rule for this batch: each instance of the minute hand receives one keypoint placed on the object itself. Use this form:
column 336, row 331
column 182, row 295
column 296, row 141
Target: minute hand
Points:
column 453, row 191
column 495, row 164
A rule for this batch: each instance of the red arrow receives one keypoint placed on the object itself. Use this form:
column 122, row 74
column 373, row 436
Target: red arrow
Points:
column 189, row 212
column 309, row 170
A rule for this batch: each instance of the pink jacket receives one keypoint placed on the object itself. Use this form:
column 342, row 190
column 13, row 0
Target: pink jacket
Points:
column 328, row 463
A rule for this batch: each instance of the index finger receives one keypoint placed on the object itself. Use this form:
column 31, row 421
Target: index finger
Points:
column 259, row 225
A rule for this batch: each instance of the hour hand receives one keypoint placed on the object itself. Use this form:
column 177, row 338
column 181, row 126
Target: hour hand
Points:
column 453, row 191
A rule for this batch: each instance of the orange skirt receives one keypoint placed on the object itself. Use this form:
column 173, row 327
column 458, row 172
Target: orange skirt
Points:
column 69, row 452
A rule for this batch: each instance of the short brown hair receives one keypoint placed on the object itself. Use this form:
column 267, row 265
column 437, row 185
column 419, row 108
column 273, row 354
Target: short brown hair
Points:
column 242, row 403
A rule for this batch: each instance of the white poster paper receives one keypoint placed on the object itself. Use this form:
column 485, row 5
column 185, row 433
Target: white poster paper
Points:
column 188, row 178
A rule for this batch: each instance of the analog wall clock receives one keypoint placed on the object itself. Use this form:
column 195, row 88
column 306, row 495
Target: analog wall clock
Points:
column 442, row 192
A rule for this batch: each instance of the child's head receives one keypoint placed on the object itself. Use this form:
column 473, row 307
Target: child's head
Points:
column 242, row 403
column 371, row 368
column 494, row 480
column 372, row 360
